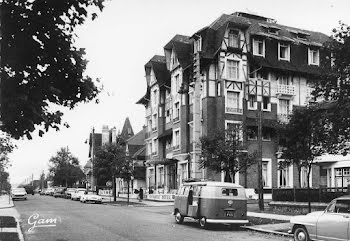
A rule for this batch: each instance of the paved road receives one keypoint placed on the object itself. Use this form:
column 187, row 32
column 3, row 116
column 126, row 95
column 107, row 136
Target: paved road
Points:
column 66, row 220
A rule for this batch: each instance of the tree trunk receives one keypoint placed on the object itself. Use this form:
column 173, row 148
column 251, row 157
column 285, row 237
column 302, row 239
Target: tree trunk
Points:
column 299, row 175
column 308, row 189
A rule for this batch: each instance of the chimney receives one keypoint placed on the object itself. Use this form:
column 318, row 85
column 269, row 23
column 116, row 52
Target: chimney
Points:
column 114, row 135
column 105, row 135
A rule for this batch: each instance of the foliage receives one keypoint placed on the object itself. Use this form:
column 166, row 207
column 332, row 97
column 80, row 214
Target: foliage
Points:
column 224, row 152
column 304, row 137
column 65, row 169
column 108, row 161
column 6, row 147
column 334, row 88
column 40, row 65
column 4, row 181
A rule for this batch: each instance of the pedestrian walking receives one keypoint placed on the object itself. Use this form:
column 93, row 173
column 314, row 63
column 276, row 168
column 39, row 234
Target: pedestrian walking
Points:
column 140, row 194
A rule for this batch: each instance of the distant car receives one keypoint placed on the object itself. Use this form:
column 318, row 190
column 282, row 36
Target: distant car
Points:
column 77, row 193
column 330, row 224
column 42, row 192
column 68, row 192
column 50, row 191
column 29, row 189
column 59, row 192
column 90, row 196
column 18, row 193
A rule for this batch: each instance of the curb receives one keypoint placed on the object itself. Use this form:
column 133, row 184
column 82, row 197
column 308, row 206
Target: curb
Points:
column 268, row 231
column 8, row 206
column 19, row 231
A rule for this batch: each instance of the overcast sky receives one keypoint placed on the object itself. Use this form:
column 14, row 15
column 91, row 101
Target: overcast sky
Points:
column 124, row 37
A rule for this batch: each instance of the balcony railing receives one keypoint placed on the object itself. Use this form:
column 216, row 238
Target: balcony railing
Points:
column 286, row 89
column 154, row 129
column 154, row 153
column 176, row 119
column 234, row 110
column 177, row 147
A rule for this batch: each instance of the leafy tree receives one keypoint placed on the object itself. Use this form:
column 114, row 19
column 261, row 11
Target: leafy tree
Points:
column 106, row 161
column 6, row 147
column 111, row 161
column 334, row 88
column 224, row 152
column 304, row 137
column 65, row 169
column 40, row 65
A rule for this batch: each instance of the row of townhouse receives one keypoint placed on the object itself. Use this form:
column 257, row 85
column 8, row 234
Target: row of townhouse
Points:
column 226, row 74
column 134, row 147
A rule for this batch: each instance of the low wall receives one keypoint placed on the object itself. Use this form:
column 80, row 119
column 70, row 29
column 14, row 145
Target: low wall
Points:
column 160, row 197
column 295, row 208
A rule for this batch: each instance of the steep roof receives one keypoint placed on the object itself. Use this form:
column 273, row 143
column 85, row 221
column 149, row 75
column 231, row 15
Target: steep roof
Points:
column 127, row 130
column 183, row 46
column 158, row 64
column 137, row 139
column 256, row 25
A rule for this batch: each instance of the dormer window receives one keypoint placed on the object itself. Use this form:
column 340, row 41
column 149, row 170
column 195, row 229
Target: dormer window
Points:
column 233, row 39
column 283, row 51
column 259, row 47
column 314, row 57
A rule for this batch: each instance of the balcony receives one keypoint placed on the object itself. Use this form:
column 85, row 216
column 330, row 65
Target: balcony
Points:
column 154, row 129
column 177, row 147
column 232, row 110
column 176, row 119
column 154, row 153
column 285, row 89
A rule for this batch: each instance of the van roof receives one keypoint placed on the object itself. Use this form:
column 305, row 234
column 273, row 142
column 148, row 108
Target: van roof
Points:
column 213, row 184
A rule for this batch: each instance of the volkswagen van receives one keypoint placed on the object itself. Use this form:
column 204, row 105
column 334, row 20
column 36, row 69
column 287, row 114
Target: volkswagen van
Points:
column 211, row 202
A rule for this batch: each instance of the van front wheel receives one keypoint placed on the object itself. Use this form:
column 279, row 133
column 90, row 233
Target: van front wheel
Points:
column 179, row 218
column 203, row 222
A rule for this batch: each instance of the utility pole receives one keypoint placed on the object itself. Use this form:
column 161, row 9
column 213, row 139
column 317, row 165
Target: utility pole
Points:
column 260, row 183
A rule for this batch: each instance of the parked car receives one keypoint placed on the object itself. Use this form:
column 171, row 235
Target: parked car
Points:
column 211, row 202
column 42, row 192
column 78, row 193
column 68, row 192
column 59, row 192
column 18, row 193
column 330, row 224
column 90, row 196
column 50, row 191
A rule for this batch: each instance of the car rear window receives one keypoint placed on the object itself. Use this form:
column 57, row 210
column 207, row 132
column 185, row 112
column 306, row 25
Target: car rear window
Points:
column 229, row 192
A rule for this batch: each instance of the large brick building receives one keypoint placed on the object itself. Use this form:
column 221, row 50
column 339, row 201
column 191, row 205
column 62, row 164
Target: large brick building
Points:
column 225, row 75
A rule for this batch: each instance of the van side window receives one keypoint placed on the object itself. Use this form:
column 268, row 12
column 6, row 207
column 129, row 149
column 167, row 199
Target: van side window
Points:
column 229, row 192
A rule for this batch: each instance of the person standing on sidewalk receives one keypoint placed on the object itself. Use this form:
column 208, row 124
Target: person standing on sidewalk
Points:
column 140, row 194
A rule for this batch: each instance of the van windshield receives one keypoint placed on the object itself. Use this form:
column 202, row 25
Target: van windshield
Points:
column 229, row 192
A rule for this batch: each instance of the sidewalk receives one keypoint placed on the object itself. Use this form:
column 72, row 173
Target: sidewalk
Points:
column 5, row 201
column 10, row 229
column 135, row 202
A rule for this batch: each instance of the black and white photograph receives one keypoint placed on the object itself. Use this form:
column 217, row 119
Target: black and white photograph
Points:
column 137, row 120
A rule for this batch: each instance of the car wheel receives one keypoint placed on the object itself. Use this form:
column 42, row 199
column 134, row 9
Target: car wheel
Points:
column 203, row 222
column 300, row 234
column 179, row 218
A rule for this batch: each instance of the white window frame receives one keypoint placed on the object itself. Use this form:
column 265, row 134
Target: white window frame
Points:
column 256, row 43
column 287, row 52
column 304, row 177
column 289, row 178
column 175, row 141
column 269, row 172
column 176, row 109
column 236, row 68
column 233, row 41
column 154, row 146
column 239, row 102
column 311, row 59
column 252, row 105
